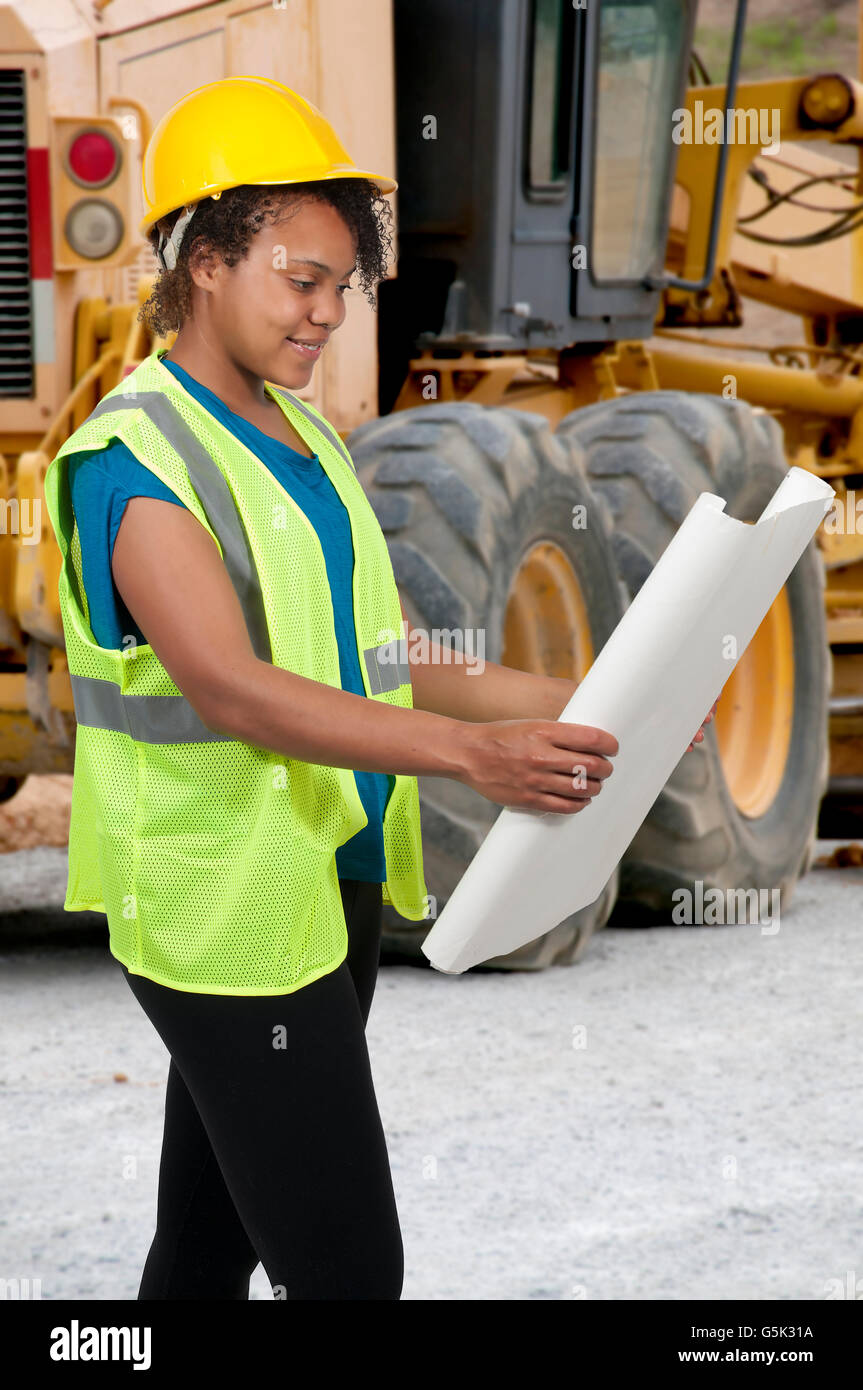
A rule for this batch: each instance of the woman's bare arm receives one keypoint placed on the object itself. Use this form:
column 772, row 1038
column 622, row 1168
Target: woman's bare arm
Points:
column 174, row 583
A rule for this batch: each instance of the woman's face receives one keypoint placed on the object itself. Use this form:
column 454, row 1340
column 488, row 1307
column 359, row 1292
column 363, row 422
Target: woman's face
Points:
column 291, row 285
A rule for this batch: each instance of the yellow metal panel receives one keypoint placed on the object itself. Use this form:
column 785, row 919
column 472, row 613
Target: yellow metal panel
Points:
column 807, row 279
column 831, row 271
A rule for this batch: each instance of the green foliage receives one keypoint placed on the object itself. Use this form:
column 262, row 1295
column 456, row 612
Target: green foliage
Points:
column 782, row 47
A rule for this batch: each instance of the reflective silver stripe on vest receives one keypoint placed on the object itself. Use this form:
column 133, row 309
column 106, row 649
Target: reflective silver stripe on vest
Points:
column 387, row 666
column 216, row 499
column 148, row 718
column 319, row 425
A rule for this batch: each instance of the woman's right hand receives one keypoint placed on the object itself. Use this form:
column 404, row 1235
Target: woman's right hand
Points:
column 537, row 764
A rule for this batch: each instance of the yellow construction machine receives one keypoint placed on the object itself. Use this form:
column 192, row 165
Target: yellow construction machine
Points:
column 581, row 215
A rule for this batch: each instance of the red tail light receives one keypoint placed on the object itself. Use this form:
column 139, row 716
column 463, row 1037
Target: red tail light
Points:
column 93, row 158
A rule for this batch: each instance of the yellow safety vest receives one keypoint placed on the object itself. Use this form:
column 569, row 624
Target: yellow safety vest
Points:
column 214, row 859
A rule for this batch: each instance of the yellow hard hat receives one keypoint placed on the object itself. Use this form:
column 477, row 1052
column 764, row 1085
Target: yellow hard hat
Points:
column 235, row 131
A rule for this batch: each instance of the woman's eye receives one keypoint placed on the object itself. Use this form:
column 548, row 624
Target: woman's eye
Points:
column 309, row 284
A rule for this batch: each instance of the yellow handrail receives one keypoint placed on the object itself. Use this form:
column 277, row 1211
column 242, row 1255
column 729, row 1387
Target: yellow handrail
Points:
column 52, row 440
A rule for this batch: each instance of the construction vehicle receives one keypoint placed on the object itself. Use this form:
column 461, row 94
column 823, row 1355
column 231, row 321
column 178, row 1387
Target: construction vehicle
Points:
column 563, row 220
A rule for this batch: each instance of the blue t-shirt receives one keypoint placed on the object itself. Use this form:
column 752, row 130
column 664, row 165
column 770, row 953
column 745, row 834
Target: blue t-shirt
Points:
column 102, row 481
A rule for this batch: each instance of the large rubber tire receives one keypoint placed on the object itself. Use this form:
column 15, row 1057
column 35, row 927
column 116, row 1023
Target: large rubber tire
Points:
column 650, row 455
column 462, row 493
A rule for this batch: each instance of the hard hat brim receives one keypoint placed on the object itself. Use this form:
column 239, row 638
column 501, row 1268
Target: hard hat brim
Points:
column 384, row 184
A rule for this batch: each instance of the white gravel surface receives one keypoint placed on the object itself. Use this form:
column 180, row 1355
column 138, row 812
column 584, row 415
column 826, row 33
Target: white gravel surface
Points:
column 676, row 1116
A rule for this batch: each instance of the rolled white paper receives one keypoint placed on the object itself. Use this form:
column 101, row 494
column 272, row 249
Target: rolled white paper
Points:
column 651, row 686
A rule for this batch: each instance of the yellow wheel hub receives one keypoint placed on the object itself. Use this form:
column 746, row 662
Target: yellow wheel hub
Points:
column 756, row 707
column 546, row 626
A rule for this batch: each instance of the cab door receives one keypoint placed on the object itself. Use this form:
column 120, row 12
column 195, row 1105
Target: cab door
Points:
column 633, row 77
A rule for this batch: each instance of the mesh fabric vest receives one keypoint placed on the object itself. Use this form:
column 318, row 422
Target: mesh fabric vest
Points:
column 214, row 859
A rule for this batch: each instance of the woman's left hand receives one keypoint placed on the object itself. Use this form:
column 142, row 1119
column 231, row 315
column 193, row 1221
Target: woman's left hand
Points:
column 699, row 737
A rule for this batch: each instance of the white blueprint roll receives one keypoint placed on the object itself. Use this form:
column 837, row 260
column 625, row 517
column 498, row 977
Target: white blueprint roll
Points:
column 650, row 686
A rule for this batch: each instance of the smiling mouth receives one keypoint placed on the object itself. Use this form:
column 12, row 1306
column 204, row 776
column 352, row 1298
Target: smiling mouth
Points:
column 311, row 351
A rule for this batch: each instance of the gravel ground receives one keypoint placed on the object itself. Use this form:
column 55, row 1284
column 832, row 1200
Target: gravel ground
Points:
column 677, row 1116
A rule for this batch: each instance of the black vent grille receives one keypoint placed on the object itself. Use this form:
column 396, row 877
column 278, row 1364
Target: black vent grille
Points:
column 16, row 315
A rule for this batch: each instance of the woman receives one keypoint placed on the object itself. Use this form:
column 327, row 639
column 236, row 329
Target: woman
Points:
column 245, row 790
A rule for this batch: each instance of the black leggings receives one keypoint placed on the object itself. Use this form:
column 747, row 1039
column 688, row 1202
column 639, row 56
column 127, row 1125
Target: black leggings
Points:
column 275, row 1153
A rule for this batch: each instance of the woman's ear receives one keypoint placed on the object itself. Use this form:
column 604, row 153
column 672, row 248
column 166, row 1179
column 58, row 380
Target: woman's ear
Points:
column 205, row 264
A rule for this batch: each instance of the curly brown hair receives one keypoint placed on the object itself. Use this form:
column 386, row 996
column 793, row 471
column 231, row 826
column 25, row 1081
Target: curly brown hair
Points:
column 228, row 224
